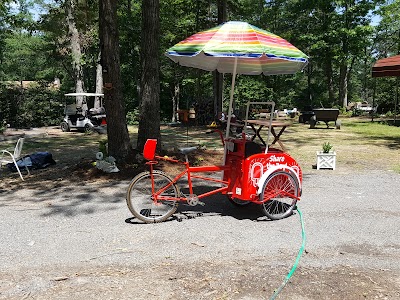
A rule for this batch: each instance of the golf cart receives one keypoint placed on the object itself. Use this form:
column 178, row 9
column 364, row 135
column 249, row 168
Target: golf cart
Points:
column 82, row 118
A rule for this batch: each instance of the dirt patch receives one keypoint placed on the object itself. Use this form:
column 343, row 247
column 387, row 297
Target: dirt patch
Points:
column 75, row 152
column 211, row 280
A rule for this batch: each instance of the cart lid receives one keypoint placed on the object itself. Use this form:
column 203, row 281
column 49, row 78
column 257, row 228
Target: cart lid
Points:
column 85, row 94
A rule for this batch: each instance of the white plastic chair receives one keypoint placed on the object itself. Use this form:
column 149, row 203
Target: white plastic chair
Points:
column 13, row 156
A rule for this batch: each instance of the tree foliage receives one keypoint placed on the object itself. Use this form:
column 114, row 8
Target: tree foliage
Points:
column 337, row 35
column 36, row 106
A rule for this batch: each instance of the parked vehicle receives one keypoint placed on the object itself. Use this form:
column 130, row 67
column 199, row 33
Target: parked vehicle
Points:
column 82, row 118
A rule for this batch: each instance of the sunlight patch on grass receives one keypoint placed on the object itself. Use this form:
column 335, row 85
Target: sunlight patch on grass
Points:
column 374, row 129
column 397, row 168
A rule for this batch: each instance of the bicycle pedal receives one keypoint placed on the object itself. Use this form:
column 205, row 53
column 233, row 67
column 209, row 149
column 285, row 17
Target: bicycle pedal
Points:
column 194, row 204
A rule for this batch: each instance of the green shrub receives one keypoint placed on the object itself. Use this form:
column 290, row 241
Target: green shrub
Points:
column 326, row 147
column 33, row 107
column 132, row 117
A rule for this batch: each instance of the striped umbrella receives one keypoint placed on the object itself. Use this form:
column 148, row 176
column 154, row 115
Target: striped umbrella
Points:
column 257, row 51
column 238, row 48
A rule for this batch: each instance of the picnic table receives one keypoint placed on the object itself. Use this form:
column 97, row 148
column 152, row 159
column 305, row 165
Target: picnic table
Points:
column 261, row 123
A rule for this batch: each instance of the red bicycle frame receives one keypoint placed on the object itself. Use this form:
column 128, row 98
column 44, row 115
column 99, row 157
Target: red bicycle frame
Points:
column 189, row 173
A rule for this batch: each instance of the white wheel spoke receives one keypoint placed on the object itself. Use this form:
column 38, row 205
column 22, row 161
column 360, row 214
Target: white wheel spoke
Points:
column 276, row 191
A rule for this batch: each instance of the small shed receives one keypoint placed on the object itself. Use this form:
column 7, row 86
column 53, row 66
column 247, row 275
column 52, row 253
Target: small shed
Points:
column 385, row 67
column 389, row 66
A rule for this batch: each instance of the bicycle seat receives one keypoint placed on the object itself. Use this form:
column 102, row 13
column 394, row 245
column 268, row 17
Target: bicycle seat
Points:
column 187, row 150
column 149, row 149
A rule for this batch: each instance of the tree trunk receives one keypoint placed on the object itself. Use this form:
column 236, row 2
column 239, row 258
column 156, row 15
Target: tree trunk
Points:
column 344, row 64
column 175, row 101
column 118, row 137
column 149, row 108
column 218, row 77
column 366, row 67
column 99, row 83
column 309, row 88
column 345, row 71
column 75, row 52
column 329, row 80
column 343, row 81
column 218, row 85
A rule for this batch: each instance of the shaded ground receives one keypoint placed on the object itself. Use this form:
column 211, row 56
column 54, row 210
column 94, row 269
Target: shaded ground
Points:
column 75, row 154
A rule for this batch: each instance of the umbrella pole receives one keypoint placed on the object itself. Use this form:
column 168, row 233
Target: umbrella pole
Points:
column 228, row 125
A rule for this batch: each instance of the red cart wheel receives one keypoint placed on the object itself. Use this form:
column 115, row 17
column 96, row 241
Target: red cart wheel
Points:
column 280, row 189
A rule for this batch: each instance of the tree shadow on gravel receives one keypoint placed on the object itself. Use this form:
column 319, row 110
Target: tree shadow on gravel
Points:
column 68, row 201
column 214, row 206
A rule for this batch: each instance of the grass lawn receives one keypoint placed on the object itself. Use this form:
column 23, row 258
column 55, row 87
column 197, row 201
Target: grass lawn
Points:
column 360, row 145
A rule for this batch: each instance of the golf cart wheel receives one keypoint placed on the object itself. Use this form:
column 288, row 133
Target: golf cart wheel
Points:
column 238, row 202
column 313, row 121
column 337, row 124
column 88, row 128
column 64, row 127
column 281, row 190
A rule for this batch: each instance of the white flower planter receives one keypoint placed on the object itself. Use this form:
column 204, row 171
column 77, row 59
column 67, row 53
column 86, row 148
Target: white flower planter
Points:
column 326, row 160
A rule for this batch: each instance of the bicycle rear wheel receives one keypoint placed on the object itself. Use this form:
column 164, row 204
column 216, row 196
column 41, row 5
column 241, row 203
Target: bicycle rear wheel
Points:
column 140, row 199
column 280, row 189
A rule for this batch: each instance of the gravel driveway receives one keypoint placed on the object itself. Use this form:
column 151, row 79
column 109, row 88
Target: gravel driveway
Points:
column 80, row 242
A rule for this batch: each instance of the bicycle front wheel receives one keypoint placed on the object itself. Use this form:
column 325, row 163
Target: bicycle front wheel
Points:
column 140, row 197
column 280, row 190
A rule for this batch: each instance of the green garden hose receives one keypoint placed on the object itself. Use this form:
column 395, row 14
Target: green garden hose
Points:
column 301, row 250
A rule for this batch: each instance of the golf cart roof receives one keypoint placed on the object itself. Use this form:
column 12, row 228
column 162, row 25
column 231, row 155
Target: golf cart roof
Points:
column 85, row 94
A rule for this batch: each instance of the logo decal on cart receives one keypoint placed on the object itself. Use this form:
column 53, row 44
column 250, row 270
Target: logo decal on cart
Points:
column 278, row 159
column 259, row 166
column 256, row 171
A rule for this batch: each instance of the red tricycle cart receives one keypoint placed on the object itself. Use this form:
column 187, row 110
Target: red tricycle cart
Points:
column 252, row 173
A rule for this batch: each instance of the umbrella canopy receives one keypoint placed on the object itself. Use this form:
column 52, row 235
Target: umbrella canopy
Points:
column 389, row 66
column 238, row 44
column 238, row 48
